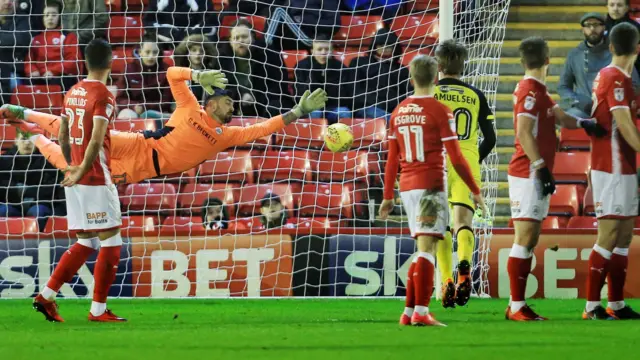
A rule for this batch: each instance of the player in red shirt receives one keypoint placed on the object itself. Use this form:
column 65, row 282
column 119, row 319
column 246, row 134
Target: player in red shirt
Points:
column 613, row 177
column 420, row 129
column 530, row 180
column 93, row 207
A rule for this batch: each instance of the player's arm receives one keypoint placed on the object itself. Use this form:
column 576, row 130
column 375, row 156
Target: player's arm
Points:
column 95, row 143
column 63, row 138
column 627, row 127
column 568, row 121
column 176, row 76
column 390, row 176
column 526, row 123
column 485, row 122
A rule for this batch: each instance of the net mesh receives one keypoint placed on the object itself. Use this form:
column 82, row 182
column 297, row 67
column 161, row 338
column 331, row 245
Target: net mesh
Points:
column 217, row 229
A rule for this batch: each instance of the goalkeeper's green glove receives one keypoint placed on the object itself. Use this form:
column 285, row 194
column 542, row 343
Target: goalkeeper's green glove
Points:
column 210, row 79
column 310, row 102
column 12, row 112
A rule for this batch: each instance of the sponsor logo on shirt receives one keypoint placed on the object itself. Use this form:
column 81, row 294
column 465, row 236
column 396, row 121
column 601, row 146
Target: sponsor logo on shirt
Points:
column 79, row 91
column 410, row 109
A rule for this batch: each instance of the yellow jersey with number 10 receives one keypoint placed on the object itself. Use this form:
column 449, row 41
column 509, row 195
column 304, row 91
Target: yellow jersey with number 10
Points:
column 469, row 107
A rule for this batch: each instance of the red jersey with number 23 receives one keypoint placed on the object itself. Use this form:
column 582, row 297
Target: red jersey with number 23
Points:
column 531, row 100
column 88, row 100
column 421, row 124
column 612, row 89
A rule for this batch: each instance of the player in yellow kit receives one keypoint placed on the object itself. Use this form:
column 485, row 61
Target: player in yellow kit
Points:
column 471, row 111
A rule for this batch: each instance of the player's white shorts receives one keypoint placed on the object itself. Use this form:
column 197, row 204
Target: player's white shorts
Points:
column 427, row 211
column 527, row 202
column 614, row 195
column 93, row 208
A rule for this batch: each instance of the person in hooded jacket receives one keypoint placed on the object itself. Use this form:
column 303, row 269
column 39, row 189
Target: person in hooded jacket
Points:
column 618, row 12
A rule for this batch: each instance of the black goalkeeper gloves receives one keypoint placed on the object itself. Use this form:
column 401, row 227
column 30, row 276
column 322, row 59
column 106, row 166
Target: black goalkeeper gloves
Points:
column 592, row 128
column 547, row 181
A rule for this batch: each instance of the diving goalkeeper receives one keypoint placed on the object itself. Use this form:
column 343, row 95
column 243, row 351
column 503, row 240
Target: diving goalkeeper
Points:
column 192, row 135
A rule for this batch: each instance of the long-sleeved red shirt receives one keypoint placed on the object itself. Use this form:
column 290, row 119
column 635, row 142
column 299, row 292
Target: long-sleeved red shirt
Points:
column 53, row 51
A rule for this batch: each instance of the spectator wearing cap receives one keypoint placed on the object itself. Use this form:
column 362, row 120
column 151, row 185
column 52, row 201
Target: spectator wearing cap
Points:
column 583, row 64
column 215, row 215
column 273, row 213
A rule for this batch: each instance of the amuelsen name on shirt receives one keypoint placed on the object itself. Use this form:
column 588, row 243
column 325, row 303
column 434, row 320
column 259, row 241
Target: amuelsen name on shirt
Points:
column 203, row 131
column 455, row 98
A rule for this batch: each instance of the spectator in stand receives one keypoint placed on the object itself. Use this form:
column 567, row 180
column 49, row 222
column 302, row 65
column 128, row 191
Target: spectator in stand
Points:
column 198, row 53
column 322, row 70
column 583, row 64
column 173, row 21
column 215, row 215
column 53, row 57
column 143, row 91
column 256, row 74
column 28, row 183
column 273, row 213
column 88, row 19
column 618, row 12
column 381, row 82
column 14, row 39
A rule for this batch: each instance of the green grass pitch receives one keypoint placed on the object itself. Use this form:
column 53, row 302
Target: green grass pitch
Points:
column 308, row 329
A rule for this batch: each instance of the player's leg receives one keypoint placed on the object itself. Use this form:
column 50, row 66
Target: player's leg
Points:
column 616, row 306
column 423, row 280
column 598, row 267
column 409, row 301
column 104, row 275
column 445, row 259
column 462, row 220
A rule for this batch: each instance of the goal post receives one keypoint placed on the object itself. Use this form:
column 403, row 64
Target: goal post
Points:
column 323, row 237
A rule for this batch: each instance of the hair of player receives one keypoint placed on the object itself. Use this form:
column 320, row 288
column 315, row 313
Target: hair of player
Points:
column 98, row 55
column 534, row 52
column 181, row 54
column 624, row 39
column 54, row 3
column 217, row 94
column 451, row 56
column 423, row 70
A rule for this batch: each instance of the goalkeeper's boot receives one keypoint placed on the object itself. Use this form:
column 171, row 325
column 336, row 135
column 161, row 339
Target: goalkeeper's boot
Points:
column 525, row 314
column 424, row 320
column 463, row 288
column 448, row 294
column 405, row 319
column 107, row 316
column 48, row 308
column 626, row 313
column 599, row 313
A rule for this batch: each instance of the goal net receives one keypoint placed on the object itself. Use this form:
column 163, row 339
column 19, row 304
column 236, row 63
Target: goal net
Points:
column 280, row 216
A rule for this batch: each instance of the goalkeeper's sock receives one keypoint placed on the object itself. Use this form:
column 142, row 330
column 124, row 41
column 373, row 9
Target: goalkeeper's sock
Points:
column 466, row 243
column 598, row 268
column 617, row 277
column 445, row 256
column 423, row 282
column 518, row 267
column 68, row 266
column 409, row 301
column 105, row 272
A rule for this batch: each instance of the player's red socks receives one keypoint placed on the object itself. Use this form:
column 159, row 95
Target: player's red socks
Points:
column 598, row 268
column 617, row 277
column 423, row 281
column 105, row 273
column 409, row 300
column 518, row 267
column 68, row 266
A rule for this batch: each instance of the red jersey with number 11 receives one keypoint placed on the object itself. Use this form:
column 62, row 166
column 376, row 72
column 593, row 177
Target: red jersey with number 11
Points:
column 421, row 124
column 86, row 101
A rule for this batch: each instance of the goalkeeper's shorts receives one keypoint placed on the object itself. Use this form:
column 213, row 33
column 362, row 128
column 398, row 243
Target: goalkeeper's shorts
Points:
column 459, row 193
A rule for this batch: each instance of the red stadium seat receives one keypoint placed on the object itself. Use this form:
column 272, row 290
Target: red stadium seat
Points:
column 303, row 133
column 565, row 201
column 121, row 57
column 56, row 224
column 7, row 136
column 410, row 53
column 248, row 121
column 290, row 59
column 167, row 58
column 149, row 197
column 574, row 139
column 572, row 168
column 137, row 4
column 134, row 125
column 283, row 165
column 325, row 200
column 258, row 23
column 582, row 222
column 251, row 197
column 44, row 98
column 18, row 226
column 367, row 132
column 218, row 5
column 193, row 196
column 550, row 222
column 234, row 166
column 125, row 29
column 185, row 177
column 350, row 165
column 587, row 203
column 420, row 29
column 422, row 5
column 140, row 223
column 183, row 224
column 113, row 6
column 347, row 56
column 358, row 30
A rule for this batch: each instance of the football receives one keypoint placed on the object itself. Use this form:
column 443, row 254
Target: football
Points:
column 339, row 137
